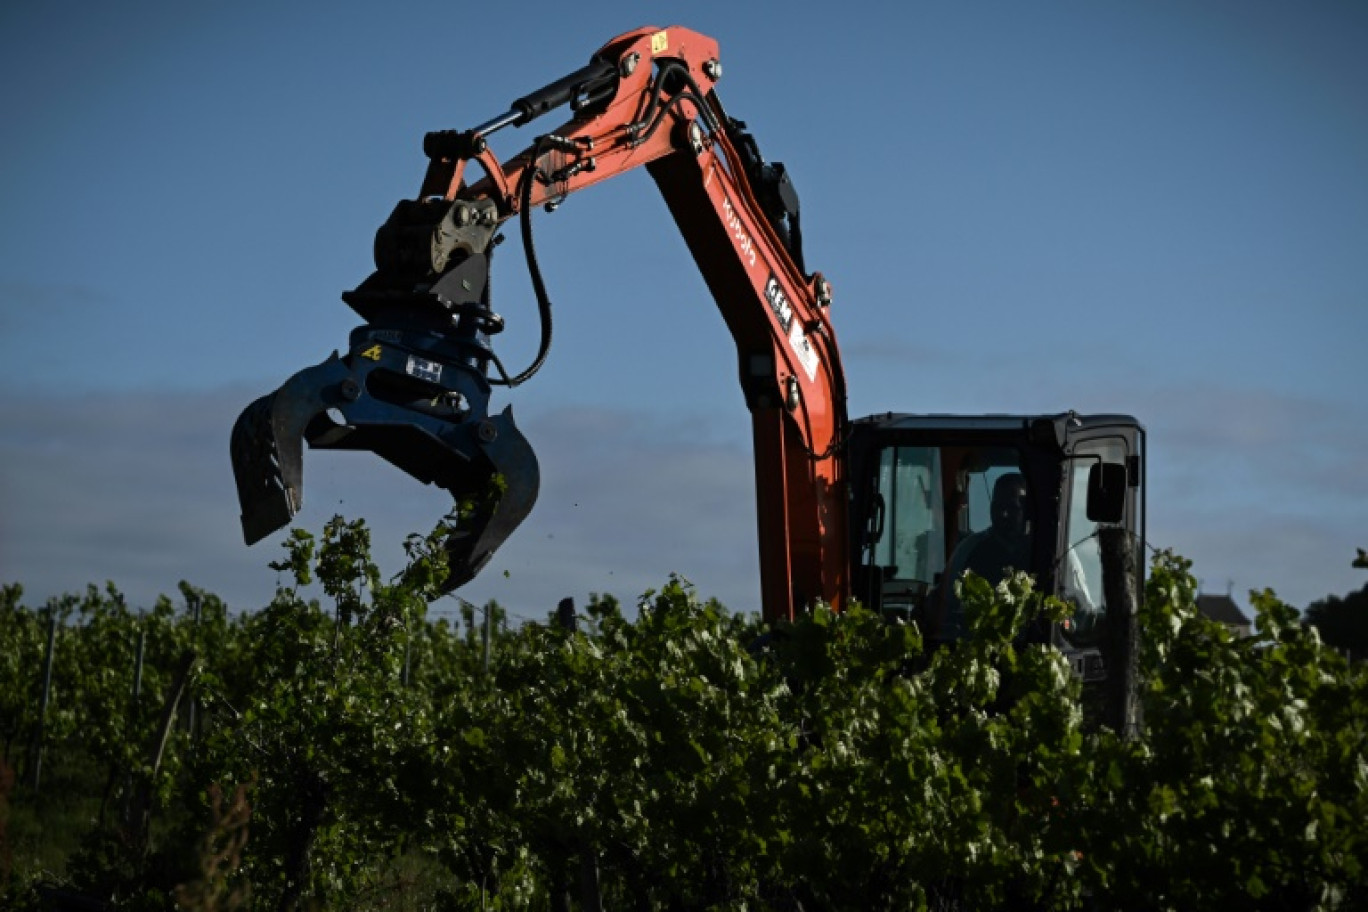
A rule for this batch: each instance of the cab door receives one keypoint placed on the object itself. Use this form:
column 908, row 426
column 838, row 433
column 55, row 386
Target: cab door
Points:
column 1103, row 486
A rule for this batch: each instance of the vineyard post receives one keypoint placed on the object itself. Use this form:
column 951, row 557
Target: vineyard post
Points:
column 1119, row 588
column 141, row 806
column 138, row 659
column 37, row 755
column 133, row 715
column 408, row 647
column 488, row 621
column 591, row 895
column 196, row 606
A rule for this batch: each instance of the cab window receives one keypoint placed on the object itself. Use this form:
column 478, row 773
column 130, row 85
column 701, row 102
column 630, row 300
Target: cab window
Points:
column 912, row 547
column 934, row 518
column 1080, row 571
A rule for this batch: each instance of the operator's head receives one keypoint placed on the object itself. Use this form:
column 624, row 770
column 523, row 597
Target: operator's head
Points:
column 1010, row 514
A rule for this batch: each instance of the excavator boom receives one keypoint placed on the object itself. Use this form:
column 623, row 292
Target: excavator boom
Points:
column 415, row 383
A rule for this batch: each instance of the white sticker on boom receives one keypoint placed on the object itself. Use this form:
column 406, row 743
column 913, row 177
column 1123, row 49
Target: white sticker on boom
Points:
column 803, row 349
column 430, row 371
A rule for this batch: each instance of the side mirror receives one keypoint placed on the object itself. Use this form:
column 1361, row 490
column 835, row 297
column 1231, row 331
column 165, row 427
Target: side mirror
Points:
column 1107, row 492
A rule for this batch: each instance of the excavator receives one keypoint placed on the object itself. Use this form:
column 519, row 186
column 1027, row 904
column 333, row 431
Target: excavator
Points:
column 887, row 510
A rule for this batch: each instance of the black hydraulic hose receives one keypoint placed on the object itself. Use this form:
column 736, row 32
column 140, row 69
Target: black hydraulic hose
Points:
column 485, row 298
column 534, row 271
column 665, row 110
column 653, row 115
column 692, row 93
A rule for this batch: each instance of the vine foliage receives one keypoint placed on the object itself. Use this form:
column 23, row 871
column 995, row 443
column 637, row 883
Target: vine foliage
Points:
column 351, row 751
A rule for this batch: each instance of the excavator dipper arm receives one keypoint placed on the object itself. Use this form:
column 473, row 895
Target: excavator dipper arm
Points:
column 415, row 383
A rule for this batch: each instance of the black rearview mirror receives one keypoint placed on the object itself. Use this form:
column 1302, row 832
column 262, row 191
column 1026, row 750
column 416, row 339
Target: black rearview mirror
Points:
column 1107, row 492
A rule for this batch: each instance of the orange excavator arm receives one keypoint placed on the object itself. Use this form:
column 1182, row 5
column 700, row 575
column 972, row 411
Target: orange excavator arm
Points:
column 415, row 384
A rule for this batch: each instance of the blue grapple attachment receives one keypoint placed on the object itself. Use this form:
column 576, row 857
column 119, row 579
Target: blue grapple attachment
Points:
column 413, row 388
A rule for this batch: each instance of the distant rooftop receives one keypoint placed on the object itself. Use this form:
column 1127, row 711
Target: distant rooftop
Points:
column 1222, row 608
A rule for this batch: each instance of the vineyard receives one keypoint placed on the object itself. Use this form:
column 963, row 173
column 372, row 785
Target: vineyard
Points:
column 350, row 752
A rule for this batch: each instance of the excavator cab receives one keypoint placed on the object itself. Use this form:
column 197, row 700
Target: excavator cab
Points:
column 936, row 495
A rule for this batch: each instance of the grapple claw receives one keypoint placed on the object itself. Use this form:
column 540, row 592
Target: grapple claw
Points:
column 411, row 399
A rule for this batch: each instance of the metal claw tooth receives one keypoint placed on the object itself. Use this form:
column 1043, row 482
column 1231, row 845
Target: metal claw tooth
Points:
column 511, row 458
column 267, row 448
column 268, row 498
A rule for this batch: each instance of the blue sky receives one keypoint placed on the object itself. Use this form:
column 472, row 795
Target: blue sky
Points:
column 1157, row 208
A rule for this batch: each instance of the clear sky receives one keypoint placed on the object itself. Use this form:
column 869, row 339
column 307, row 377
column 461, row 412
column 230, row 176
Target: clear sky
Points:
column 1157, row 208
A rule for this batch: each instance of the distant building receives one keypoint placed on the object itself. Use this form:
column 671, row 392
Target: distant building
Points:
column 1222, row 608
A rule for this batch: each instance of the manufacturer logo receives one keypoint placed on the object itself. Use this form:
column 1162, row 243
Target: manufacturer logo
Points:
column 779, row 302
column 798, row 340
column 739, row 233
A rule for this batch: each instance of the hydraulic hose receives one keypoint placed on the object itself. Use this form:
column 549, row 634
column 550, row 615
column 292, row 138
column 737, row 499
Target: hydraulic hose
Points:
column 534, row 271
